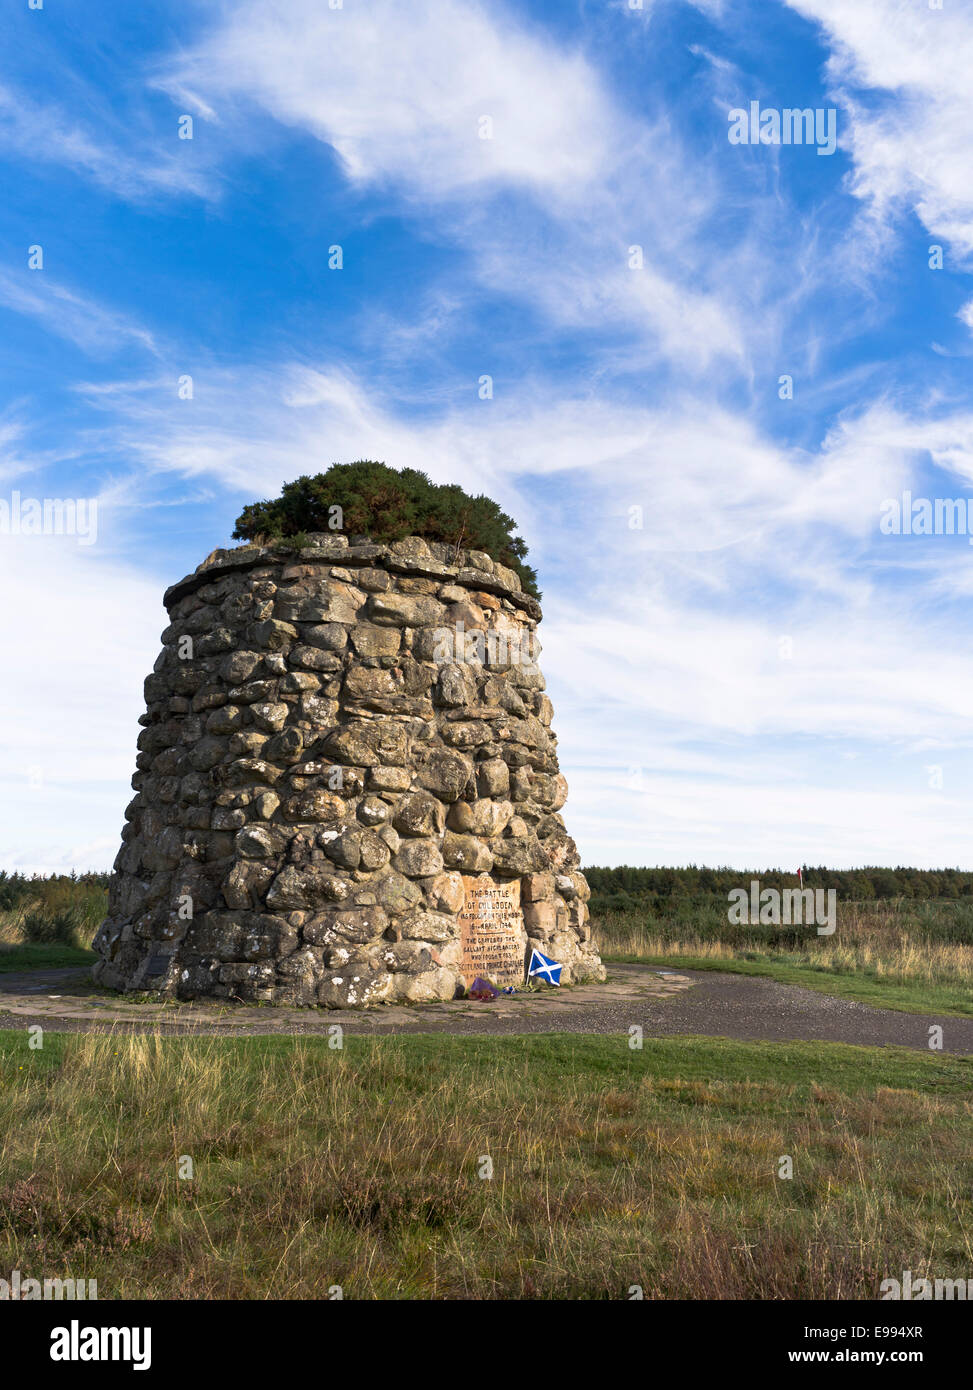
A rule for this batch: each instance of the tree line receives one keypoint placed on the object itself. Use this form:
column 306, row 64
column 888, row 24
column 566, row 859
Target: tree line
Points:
column 624, row 886
column 16, row 888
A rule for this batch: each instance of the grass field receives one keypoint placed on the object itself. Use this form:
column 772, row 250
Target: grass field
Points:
column 359, row 1167
column 914, row 956
column 23, row 956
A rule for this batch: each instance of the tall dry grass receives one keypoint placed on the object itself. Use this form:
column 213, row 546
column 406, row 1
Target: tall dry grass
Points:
column 899, row 943
column 53, row 911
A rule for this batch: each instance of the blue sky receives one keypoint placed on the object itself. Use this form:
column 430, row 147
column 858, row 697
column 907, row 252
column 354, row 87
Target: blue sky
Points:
column 756, row 674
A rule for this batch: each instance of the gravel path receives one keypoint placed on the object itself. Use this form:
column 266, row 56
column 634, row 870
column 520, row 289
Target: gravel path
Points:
column 750, row 1008
column 663, row 1003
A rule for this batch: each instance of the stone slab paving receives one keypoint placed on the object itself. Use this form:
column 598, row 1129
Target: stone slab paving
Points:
column 68, row 1000
column 662, row 1003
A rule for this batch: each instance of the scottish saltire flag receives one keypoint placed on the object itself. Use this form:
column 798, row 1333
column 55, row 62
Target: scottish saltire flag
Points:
column 544, row 968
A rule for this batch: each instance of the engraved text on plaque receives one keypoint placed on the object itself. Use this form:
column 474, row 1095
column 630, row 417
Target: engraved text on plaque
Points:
column 492, row 931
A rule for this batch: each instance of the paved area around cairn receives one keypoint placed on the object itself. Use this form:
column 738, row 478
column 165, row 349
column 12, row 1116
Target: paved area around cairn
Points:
column 67, row 1000
column 663, row 1003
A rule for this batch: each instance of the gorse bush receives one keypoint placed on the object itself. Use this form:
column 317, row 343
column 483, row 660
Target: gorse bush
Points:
column 388, row 504
column 57, row 910
column 54, row 927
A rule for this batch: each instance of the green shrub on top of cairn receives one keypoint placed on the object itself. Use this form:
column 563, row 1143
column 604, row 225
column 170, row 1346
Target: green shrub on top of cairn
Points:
column 387, row 504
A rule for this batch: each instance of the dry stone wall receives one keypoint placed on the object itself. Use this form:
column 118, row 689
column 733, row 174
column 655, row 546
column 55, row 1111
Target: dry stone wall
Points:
column 348, row 788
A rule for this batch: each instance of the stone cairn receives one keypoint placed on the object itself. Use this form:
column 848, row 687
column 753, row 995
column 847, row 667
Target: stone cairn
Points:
column 347, row 787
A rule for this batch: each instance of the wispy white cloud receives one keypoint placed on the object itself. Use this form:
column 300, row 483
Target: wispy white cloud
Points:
column 545, row 208
column 42, row 132
column 742, row 543
column 80, row 633
column 781, row 813
column 401, row 92
column 903, row 72
column 705, row 477
column 94, row 327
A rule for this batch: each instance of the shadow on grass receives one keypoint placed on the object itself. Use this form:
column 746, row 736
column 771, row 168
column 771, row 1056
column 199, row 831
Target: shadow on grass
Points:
column 42, row 957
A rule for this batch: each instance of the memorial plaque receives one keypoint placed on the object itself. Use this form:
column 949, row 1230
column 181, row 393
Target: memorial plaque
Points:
column 492, row 931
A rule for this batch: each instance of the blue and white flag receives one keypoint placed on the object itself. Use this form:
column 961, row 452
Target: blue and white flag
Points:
column 544, row 968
